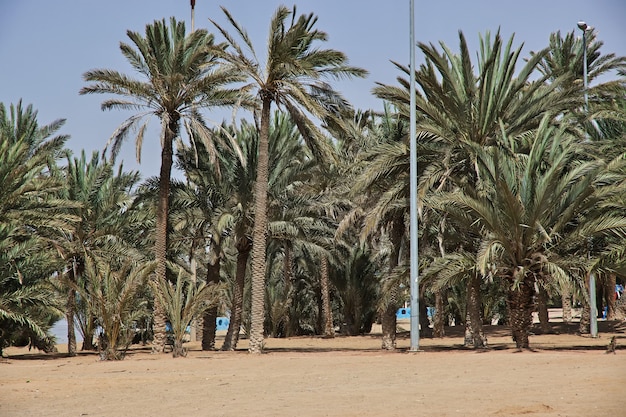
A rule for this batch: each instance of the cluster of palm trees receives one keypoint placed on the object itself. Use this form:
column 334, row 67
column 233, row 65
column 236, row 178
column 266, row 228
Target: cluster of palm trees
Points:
column 297, row 222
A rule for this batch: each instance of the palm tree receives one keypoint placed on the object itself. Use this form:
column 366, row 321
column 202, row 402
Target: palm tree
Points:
column 461, row 111
column 528, row 206
column 180, row 75
column 184, row 302
column 565, row 59
column 115, row 290
column 292, row 77
column 380, row 190
column 31, row 210
column 104, row 199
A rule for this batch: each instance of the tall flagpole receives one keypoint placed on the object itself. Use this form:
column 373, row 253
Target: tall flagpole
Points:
column 415, row 332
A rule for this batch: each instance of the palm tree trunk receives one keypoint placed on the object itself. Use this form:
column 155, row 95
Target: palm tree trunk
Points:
column 209, row 325
column 327, row 312
column 475, row 335
column 193, row 335
column 259, row 233
column 69, row 316
column 438, row 320
column 542, row 310
column 71, row 311
column 160, row 246
column 585, row 317
column 290, row 323
column 389, row 319
column 566, row 303
column 178, row 350
column 88, row 340
column 609, row 294
column 244, row 245
column 521, row 306
column 584, row 327
column 389, row 323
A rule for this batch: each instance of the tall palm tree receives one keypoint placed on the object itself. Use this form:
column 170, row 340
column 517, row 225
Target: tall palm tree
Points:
column 292, row 77
column 180, row 75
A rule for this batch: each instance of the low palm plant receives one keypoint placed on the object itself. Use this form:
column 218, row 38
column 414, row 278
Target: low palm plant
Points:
column 116, row 300
column 183, row 302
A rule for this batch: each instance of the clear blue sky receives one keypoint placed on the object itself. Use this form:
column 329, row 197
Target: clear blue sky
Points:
column 46, row 46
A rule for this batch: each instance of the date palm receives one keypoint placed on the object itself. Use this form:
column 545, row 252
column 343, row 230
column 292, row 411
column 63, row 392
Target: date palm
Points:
column 292, row 78
column 104, row 197
column 183, row 302
column 565, row 58
column 31, row 210
column 462, row 108
column 179, row 75
column 232, row 201
column 529, row 205
column 116, row 293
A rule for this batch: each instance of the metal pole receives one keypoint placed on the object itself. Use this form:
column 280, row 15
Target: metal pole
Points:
column 415, row 333
column 593, row 326
column 583, row 27
column 193, row 10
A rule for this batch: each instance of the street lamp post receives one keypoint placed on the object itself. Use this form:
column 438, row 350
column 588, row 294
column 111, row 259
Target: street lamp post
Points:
column 583, row 26
column 413, row 194
column 593, row 327
column 193, row 14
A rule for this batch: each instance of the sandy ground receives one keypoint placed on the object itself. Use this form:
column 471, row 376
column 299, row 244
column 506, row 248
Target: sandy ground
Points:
column 565, row 375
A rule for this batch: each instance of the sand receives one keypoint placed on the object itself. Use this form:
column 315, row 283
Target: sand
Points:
column 565, row 375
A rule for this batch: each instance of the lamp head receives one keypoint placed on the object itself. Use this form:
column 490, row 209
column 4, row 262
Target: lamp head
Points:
column 582, row 26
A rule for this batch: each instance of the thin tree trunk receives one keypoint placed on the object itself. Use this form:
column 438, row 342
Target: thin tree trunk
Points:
column 609, row 294
column 584, row 326
column 259, row 233
column 438, row 319
column 521, row 306
column 474, row 333
column 566, row 303
column 161, row 244
column 327, row 312
column 69, row 316
column 209, row 322
column 542, row 310
column 193, row 335
column 389, row 319
column 244, row 245
column 425, row 330
column 585, row 317
column 71, row 311
column 291, row 324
